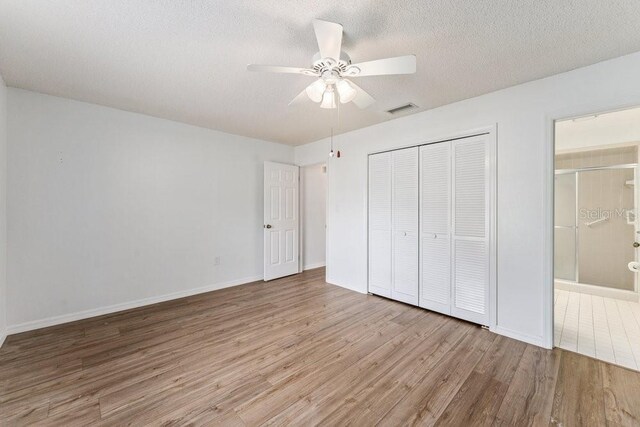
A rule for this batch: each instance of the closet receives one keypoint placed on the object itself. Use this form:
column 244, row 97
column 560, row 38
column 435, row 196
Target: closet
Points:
column 429, row 217
column 393, row 224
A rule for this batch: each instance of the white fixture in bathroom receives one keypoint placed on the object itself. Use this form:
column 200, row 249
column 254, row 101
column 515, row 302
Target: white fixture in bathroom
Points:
column 597, row 221
column 630, row 215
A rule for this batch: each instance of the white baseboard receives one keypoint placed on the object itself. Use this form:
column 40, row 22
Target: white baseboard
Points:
column 360, row 291
column 3, row 337
column 529, row 339
column 72, row 317
column 314, row 265
column 601, row 291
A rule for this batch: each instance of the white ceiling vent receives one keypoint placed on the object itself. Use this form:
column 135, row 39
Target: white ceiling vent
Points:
column 403, row 109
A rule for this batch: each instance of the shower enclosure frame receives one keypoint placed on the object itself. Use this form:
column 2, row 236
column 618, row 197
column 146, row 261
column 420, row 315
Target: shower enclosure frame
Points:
column 636, row 230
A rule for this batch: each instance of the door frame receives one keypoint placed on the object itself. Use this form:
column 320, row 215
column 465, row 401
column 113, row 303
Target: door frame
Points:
column 492, row 131
column 301, row 196
column 548, row 204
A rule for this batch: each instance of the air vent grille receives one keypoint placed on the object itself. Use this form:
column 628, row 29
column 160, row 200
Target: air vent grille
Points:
column 403, row 108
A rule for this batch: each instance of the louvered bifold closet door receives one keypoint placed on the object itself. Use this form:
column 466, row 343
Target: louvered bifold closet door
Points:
column 471, row 229
column 435, row 207
column 404, row 213
column 380, row 224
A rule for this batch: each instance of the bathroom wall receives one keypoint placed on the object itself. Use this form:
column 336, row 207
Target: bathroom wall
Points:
column 604, row 248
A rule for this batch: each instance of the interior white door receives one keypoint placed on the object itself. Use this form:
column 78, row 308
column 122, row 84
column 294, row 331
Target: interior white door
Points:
column 380, row 224
column 435, row 227
column 471, row 232
column 281, row 220
column 404, row 212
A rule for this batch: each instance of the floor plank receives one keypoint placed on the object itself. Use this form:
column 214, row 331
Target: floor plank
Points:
column 425, row 402
column 528, row 401
column 621, row 396
column 478, row 400
column 300, row 351
column 579, row 394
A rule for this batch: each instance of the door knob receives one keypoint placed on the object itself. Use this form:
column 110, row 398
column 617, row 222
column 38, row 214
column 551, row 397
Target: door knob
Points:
column 636, row 245
column 267, row 226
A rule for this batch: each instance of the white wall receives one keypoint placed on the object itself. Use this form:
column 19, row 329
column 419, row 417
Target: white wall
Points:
column 107, row 208
column 3, row 210
column 523, row 115
column 314, row 207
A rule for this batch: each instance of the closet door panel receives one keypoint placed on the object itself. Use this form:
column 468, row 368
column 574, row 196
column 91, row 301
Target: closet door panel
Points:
column 405, row 268
column 471, row 229
column 405, row 190
column 435, row 249
column 405, row 225
column 470, row 187
column 435, row 284
column 380, row 262
column 380, row 242
column 435, row 189
column 380, row 191
column 470, row 272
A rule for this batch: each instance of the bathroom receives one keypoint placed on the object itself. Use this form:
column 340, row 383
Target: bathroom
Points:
column 596, row 236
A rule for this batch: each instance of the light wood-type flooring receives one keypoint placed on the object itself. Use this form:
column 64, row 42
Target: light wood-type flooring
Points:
column 299, row 351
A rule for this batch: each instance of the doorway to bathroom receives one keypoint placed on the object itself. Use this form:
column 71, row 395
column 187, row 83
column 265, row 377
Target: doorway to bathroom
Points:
column 596, row 236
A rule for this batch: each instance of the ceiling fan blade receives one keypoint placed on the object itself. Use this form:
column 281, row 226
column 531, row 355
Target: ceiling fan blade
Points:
column 379, row 67
column 362, row 98
column 279, row 69
column 329, row 37
column 300, row 99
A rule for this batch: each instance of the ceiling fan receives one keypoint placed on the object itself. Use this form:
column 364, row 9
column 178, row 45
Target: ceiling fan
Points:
column 331, row 66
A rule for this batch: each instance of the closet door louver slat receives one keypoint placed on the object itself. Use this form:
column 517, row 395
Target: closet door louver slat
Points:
column 380, row 224
column 470, row 230
column 405, row 225
column 435, row 251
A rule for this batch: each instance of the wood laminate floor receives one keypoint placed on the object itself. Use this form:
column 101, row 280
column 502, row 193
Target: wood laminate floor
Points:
column 299, row 351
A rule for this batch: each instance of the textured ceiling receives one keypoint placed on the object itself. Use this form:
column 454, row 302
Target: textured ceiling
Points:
column 185, row 60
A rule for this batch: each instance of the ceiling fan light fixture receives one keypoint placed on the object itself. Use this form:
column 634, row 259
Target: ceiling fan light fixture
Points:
column 316, row 90
column 331, row 65
column 346, row 91
column 328, row 99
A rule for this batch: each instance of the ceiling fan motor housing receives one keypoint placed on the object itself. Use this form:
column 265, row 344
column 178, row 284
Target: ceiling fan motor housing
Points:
column 324, row 65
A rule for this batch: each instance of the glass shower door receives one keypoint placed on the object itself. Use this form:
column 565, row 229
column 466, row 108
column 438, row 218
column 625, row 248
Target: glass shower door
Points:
column 606, row 227
column 565, row 227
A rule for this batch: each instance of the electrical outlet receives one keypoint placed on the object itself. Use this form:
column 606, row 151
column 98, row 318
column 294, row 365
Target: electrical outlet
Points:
column 216, row 261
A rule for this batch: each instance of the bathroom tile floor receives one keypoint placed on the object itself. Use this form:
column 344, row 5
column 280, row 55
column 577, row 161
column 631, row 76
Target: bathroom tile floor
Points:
column 605, row 328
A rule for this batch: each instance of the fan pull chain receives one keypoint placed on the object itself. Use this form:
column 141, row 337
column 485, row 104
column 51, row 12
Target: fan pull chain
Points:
column 331, row 120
